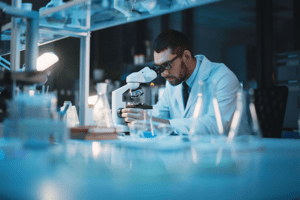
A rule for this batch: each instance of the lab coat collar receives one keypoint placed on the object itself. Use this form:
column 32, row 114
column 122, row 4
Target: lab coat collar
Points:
column 203, row 66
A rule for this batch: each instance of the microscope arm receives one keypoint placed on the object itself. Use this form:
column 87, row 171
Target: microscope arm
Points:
column 117, row 96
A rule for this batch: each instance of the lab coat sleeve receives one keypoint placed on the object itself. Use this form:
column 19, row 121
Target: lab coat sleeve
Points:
column 227, row 89
column 181, row 126
column 161, row 109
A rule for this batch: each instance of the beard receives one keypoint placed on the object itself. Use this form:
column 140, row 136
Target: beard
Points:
column 176, row 80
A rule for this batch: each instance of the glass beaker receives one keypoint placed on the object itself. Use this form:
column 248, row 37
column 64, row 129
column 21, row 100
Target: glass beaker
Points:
column 143, row 128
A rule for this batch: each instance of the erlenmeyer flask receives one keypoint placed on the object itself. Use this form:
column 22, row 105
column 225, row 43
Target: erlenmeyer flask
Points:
column 194, row 130
column 101, row 112
column 218, row 115
column 245, row 129
column 207, row 106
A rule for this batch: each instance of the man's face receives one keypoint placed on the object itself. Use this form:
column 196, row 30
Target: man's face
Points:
column 178, row 71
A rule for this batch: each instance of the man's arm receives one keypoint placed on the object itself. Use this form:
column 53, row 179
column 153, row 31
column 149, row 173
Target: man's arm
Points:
column 160, row 112
column 132, row 114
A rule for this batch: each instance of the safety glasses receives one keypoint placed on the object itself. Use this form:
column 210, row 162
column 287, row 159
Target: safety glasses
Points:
column 165, row 65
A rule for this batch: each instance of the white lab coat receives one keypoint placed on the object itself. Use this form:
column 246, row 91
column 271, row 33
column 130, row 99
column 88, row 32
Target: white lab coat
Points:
column 170, row 105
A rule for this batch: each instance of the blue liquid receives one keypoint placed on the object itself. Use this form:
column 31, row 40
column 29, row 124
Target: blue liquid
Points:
column 148, row 134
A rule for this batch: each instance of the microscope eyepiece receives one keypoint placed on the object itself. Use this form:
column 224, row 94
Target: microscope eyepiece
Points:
column 157, row 69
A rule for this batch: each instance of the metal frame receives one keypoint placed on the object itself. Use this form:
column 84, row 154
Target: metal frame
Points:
column 15, row 39
column 62, row 7
column 32, row 28
column 4, row 63
column 32, row 49
column 84, row 80
column 19, row 12
column 63, row 32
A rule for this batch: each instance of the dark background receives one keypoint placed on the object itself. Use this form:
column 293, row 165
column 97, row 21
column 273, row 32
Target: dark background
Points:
column 246, row 35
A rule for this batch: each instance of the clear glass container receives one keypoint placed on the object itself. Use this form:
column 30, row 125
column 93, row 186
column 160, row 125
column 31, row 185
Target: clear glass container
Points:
column 143, row 128
column 33, row 119
column 207, row 105
column 71, row 116
column 148, row 129
column 245, row 132
column 194, row 131
column 101, row 112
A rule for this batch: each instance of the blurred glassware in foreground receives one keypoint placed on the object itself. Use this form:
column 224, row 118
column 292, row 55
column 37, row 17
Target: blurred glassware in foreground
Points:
column 198, row 110
column 33, row 118
column 148, row 129
column 101, row 111
column 199, row 131
column 245, row 130
column 143, row 128
column 69, row 114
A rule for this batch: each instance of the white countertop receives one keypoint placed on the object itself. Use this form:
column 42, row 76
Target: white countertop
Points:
column 171, row 169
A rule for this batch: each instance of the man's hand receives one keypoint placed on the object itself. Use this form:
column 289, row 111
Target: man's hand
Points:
column 133, row 114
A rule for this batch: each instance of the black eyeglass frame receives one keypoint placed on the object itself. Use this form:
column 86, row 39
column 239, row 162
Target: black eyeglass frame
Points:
column 167, row 64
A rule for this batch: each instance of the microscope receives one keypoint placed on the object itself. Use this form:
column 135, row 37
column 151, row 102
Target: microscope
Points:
column 133, row 82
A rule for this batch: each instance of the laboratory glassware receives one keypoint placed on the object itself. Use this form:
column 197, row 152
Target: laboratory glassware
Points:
column 69, row 114
column 147, row 128
column 101, row 112
column 143, row 128
column 33, row 119
column 205, row 106
column 245, row 131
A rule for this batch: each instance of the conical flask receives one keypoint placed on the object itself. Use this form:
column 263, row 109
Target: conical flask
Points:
column 207, row 119
column 101, row 112
column 218, row 115
column 245, row 130
column 194, row 130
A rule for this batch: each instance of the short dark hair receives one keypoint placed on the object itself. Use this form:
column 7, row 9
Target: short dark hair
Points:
column 175, row 40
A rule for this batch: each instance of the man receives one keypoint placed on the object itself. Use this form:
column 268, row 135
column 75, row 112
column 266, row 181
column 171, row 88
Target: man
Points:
column 183, row 71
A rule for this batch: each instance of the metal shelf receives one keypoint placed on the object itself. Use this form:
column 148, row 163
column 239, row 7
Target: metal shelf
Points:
column 79, row 17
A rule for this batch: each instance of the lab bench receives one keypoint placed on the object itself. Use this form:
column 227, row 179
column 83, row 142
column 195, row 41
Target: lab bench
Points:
column 150, row 169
